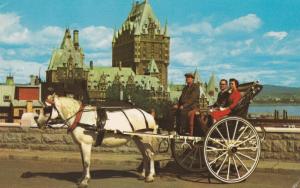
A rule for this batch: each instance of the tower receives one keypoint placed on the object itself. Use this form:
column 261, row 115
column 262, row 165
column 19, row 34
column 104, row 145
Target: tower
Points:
column 140, row 41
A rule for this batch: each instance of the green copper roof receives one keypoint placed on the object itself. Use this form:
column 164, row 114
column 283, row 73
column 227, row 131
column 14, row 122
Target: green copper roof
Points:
column 152, row 67
column 138, row 20
column 211, row 87
column 197, row 76
column 67, row 54
column 110, row 74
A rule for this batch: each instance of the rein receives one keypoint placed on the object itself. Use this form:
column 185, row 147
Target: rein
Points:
column 77, row 116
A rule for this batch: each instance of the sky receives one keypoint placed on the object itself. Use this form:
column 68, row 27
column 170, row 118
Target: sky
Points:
column 244, row 39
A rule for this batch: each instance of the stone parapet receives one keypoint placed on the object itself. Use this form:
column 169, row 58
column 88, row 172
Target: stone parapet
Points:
column 279, row 146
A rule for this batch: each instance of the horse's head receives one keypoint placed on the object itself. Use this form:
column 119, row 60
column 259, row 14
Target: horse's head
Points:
column 49, row 111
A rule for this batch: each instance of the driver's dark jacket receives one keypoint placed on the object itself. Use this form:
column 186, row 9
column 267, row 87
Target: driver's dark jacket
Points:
column 189, row 98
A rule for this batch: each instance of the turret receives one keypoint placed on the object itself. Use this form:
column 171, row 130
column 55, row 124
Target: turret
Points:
column 10, row 80
column 76, row 39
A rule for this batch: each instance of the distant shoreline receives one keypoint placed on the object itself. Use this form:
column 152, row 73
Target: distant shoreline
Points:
column 275, row 104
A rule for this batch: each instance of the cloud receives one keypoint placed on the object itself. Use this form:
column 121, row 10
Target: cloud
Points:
column 194, row 28
column 96, row 37
column 11, row 31
column 276, row 35
column 188, row 58
column 248, row 23
column 21, row 69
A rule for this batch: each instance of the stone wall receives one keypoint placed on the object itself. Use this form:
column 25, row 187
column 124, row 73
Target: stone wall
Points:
column 283, row 146
column 49, row 139
column 279, row 146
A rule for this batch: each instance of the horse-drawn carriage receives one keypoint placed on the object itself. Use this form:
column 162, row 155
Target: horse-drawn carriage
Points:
column 229, row 149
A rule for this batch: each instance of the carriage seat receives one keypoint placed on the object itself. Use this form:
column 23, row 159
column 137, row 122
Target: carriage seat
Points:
column 248, row 91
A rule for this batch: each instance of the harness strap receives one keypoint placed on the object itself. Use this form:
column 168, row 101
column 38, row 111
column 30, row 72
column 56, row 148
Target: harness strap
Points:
column 128, row 119
column 77, row 119
column 146, row 122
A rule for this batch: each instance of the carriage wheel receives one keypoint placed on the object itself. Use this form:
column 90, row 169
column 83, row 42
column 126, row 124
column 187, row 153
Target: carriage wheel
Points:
column 188, row 156
column 232, row 149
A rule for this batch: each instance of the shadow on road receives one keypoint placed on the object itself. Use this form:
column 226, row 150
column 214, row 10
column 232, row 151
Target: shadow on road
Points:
column 170, row 172
column 74, row 176
column 173, row 171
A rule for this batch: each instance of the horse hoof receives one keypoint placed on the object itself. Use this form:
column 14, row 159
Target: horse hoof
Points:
column 141, row 178
column 149, row 180
column 82, row 185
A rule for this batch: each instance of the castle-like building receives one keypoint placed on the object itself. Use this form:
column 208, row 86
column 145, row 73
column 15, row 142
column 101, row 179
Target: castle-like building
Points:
column 142, row 44
column 140, row 59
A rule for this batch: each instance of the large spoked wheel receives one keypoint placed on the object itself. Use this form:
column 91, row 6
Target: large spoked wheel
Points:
column 232, row 149
column 188, row 154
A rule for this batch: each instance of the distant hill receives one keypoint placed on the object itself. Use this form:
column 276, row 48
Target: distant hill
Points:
column 278, row 94
column 279, row 91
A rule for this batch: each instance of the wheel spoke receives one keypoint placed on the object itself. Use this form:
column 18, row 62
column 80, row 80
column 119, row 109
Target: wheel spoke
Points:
column 237, row 122
column 228, row 136
column 244, row 155
column 194, row 156
column 216, row 141
column 241, row 162
column 241, row 135
column 228, row 168
column 200, row 157
column 236, row 168
column 186, row 157
column 220, row 134
column 216, row 149
column 222, row 164
column 248, row 148
column 245, row 140
column 215, row 160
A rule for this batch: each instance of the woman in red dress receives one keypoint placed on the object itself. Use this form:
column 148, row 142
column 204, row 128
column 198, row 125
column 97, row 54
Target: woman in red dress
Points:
column 234, row 98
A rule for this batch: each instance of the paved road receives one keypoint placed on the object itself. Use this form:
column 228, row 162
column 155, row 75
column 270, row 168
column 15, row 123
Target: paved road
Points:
column 47, row 174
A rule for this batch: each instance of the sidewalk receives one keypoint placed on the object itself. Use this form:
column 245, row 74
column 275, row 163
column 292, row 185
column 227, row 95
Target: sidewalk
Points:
column 128, row 159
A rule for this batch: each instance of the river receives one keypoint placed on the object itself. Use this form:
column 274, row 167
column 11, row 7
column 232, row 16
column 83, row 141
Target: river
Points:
column 293, row 110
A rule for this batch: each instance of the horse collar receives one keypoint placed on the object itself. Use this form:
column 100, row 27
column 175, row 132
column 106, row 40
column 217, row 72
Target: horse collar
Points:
column 77, row 119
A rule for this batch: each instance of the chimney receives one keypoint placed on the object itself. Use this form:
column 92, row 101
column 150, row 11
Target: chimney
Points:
column 76, row 38
column 32, row 80
column 91, row 65
column 120, row 65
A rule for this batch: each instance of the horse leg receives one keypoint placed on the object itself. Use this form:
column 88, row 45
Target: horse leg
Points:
column 86, row 158
column 141, row 148
column 149, row 163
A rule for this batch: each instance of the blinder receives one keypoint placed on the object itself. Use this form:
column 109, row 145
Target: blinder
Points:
column 47, row 110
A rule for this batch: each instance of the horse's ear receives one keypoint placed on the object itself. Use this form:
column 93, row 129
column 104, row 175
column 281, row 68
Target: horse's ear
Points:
column 50, row 90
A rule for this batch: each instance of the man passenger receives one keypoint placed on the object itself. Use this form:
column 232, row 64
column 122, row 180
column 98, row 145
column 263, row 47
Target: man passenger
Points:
column 187, row 105
column 234, row 99
column 223, row 96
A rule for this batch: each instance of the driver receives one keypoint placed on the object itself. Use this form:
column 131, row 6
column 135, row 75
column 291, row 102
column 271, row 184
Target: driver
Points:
column 187, row 105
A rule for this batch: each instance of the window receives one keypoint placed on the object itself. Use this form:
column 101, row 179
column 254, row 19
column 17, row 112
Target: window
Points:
column 21, row 112
column 38, row 111
column 6, row 98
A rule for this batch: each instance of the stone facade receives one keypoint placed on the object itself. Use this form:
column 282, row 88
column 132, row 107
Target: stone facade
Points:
column 140, row 40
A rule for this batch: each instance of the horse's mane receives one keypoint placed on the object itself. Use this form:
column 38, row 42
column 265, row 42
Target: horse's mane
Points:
column 69, row 106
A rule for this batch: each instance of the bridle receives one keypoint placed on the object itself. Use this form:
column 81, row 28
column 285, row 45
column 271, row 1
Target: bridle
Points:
column 50, row 106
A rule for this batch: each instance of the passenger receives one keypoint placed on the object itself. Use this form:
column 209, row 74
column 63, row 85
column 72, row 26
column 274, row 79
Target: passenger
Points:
column 223, row 96
column 234, row 98
column 187, row 105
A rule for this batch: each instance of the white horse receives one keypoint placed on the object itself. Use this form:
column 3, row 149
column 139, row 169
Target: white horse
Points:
column 128, row 120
